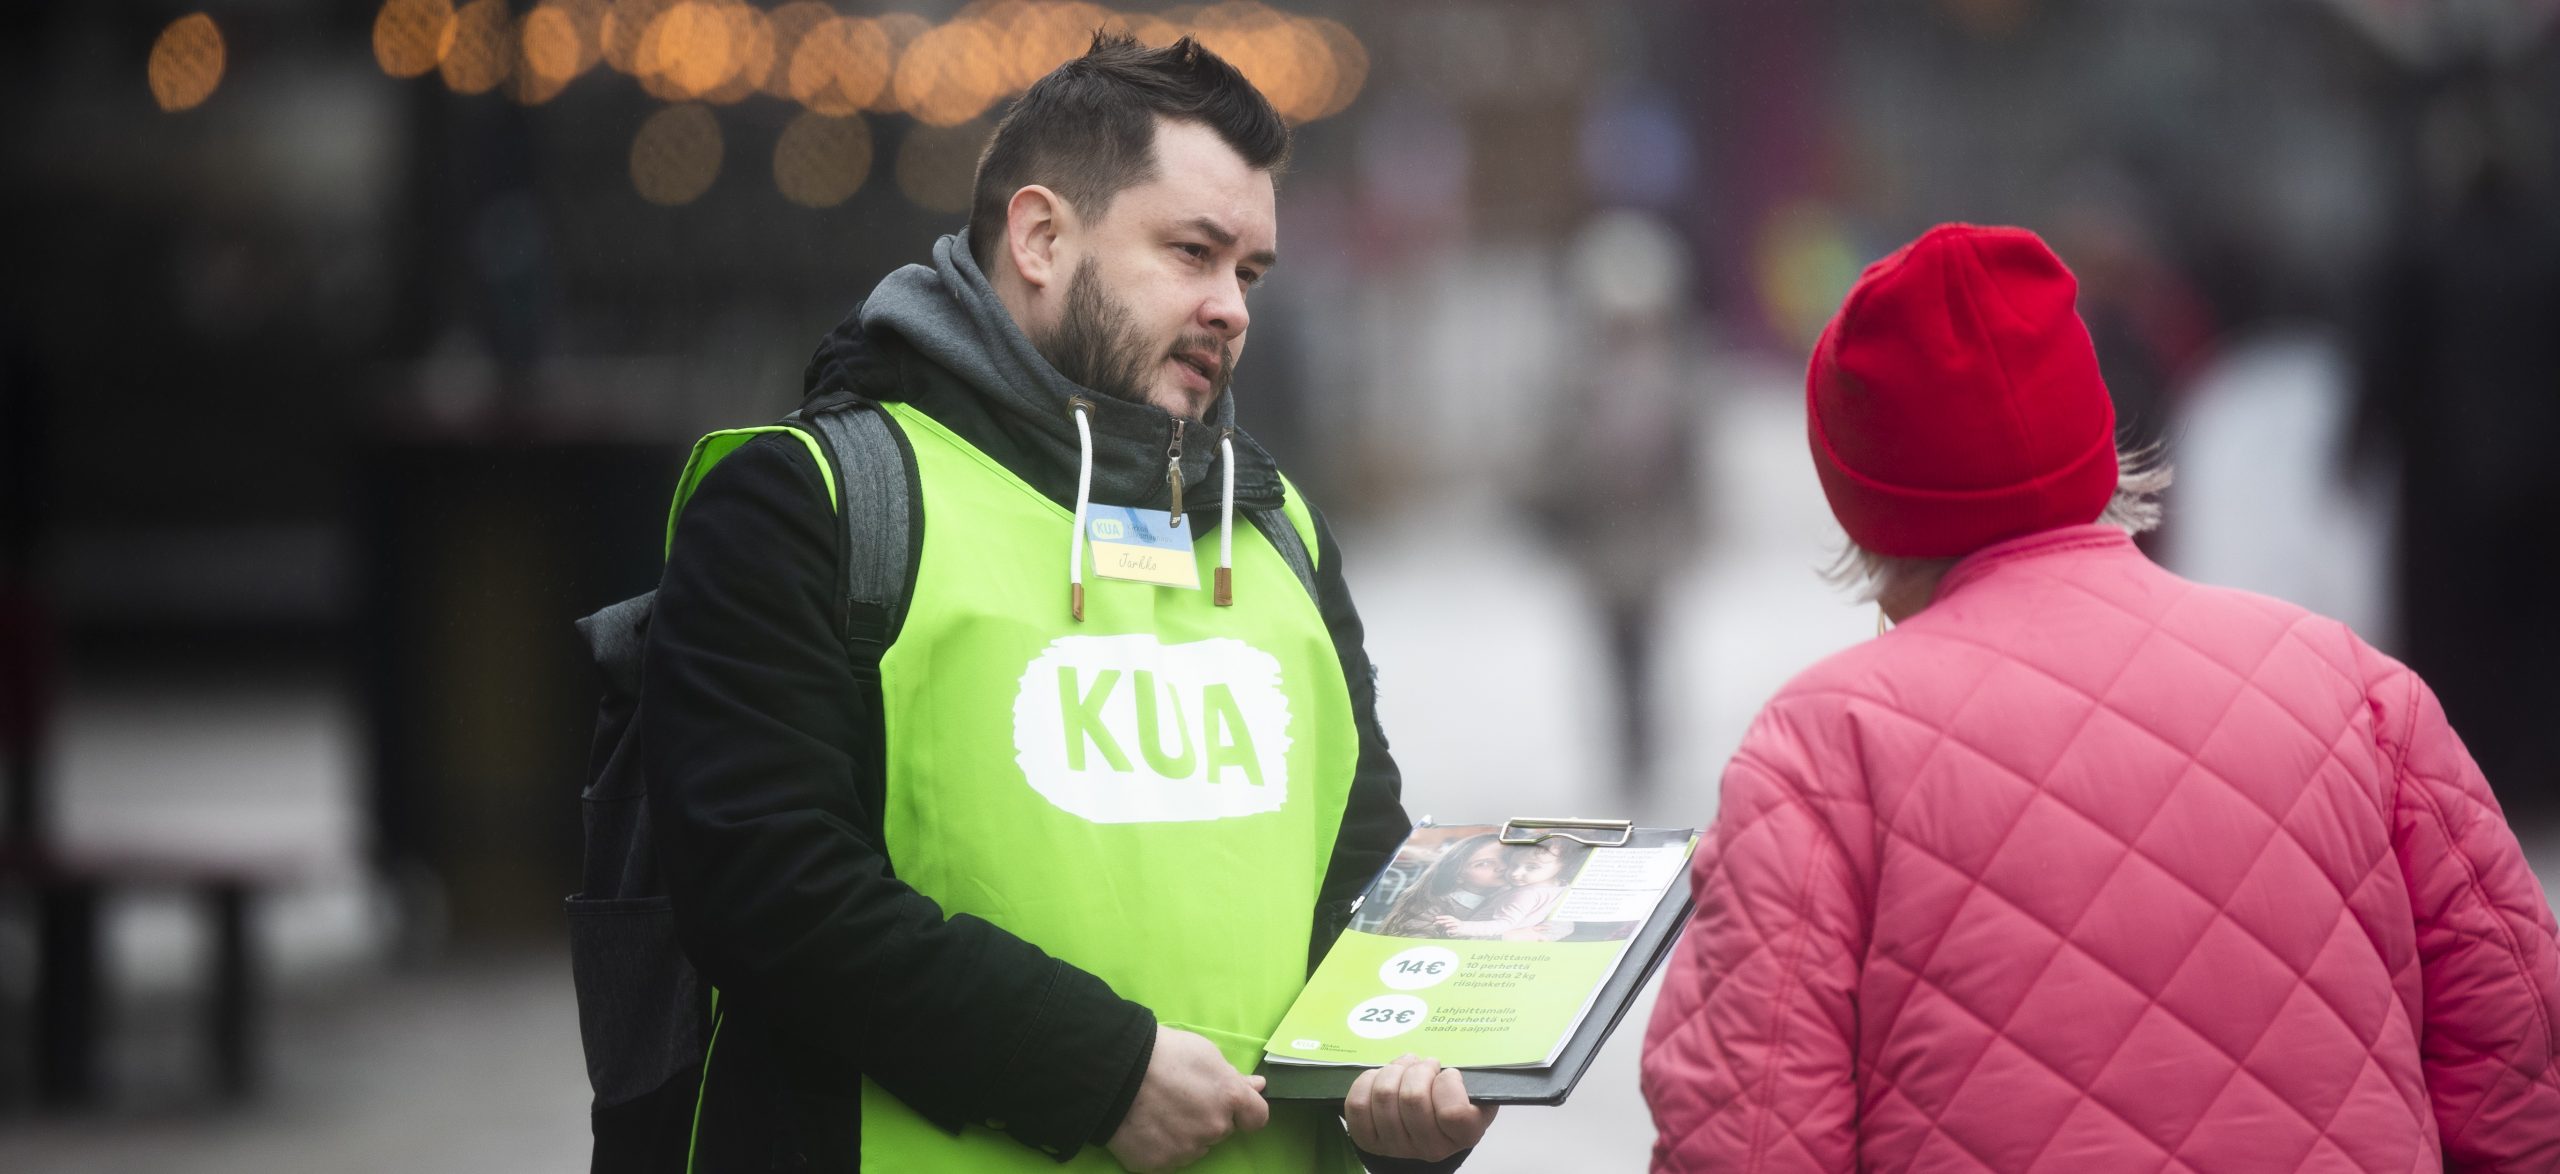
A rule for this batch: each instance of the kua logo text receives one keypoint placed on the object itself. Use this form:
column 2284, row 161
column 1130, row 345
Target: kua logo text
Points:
column 1127, row 729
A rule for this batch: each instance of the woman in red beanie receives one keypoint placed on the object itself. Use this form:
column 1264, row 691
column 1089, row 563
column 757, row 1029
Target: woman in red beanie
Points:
column 2084, row 866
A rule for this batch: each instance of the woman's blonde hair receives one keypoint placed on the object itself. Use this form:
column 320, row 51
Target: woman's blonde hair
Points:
column 2140, row 479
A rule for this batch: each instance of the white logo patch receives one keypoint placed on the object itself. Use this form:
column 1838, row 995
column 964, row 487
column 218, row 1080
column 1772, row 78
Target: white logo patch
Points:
column 1128, row 729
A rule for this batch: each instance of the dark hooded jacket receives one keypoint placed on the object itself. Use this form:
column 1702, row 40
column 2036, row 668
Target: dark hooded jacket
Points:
column 765, row 754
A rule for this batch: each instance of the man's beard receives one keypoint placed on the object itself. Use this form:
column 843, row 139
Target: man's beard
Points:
column 1096, row 344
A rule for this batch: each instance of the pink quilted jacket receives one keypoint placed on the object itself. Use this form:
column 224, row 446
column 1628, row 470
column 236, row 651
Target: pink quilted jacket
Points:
column 2087, row 867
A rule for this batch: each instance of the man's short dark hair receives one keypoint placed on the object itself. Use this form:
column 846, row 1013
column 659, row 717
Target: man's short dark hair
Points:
column 1087, row 131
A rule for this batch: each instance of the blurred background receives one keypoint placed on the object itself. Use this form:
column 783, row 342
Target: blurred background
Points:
column 348, row 352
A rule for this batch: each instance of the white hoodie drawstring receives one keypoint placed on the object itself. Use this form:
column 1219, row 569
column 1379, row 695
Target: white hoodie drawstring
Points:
column 1224, row 595
column 1079, row 407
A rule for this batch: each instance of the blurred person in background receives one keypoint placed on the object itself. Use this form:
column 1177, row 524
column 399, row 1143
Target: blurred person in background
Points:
column 2083, row 866
column 1620, row 495
column 928, row 958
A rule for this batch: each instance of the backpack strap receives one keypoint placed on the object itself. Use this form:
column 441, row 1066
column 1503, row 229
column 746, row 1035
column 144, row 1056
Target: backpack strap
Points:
column 870, row 475
column 1292, row 531
column 874, row 476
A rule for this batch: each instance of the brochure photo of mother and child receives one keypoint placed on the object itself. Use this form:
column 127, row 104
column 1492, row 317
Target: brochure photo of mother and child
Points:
column 1464, row 882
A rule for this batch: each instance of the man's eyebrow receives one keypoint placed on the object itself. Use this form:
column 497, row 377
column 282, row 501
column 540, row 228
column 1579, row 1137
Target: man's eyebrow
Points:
column 1226, row 239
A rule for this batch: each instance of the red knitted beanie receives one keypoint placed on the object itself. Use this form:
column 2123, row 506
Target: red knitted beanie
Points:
column 1954, row 400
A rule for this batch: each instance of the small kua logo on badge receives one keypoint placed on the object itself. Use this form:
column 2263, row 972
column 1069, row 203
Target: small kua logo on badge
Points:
column 1128, row 729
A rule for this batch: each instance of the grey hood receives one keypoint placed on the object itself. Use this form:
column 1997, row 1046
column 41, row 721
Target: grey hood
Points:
column 949, row 313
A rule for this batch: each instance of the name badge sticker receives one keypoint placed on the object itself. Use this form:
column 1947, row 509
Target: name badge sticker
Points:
column 1142, row 546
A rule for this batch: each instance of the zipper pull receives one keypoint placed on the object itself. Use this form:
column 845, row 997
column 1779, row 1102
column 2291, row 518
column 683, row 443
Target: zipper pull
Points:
column 1173, row 469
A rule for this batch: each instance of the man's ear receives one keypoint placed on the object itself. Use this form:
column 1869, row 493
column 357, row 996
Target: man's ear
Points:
column 1033, row 222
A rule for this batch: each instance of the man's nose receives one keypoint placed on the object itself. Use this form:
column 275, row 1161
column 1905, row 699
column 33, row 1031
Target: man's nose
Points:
column 1225, row 312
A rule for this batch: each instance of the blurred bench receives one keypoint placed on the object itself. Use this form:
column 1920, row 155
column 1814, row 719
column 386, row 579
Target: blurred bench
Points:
column 70, row 894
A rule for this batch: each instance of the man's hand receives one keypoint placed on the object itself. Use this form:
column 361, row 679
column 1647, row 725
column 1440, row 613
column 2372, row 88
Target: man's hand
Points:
column 1190, row 1099
column 1414, row 1108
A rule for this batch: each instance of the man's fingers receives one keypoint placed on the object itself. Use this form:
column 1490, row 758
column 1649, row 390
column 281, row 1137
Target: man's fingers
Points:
column 1387, row 1133
column 1396, row 1123
column 1413, row 1104
column 1252, row 1112
column 1356, row 1112
column 1462, row 1122
column 1413, row 1108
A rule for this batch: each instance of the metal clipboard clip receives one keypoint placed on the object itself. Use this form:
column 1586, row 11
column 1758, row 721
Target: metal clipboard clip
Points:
column 1570, row 829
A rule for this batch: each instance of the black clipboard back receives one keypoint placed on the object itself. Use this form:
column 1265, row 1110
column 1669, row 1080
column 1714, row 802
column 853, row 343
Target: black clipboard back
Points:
column 1525, row 1086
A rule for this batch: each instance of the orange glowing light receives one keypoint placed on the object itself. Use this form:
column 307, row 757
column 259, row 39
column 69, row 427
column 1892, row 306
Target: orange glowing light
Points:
column 551, row 49
column 556, row 42
column 1046, row 36
column 686, row 51
column 819, row 162
column 410, row 37
column 998, row 22
column 549, row 43
column 750, row 51
column 902, row 29
column 949, row 75
column 1150, row 30
column 1184, row 19
column 1350, row 65
column 676, row 155
column 1309, row 69
column 841, row 66
column 1287, row 61
column 186, row 62
column 625, row 24
column 937, row 164
column 484, row 51
column 790, row 24
column 1271, row 51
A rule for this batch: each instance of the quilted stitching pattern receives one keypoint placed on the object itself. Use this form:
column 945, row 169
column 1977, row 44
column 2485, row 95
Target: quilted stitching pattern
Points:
column 2090, row 868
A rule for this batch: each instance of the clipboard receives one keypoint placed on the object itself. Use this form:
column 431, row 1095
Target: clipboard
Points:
column 1549, row 1085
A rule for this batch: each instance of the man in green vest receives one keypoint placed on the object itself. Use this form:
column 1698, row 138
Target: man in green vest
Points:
column 1034, row 889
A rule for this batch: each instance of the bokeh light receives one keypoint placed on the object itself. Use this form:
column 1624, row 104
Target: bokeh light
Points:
column 676, row 155
column 950, row 75
column 1803, row 262
column 1291, row 60
column 1350, row 64
column 1042, row 37
column 841, row 66
column 722, row 51
column 548, row 54
column 819, row 162
column 750, row 52
column 483, row 52
column 588, row 18
column 937, row 163
column 791, row 24
column 1151, row 30
column 902, row 29
column 411, row 37
column 186, row 62
column 685, row 51
column 626, row 23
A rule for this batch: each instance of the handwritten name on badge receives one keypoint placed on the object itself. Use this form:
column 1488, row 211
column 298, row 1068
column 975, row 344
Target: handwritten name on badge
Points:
column 1142, row 546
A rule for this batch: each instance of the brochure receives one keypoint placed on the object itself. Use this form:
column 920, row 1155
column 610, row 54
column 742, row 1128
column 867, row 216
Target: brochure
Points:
column 1482, row 953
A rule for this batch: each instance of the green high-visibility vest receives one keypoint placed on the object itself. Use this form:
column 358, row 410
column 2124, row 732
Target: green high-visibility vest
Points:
column 1151, row 794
